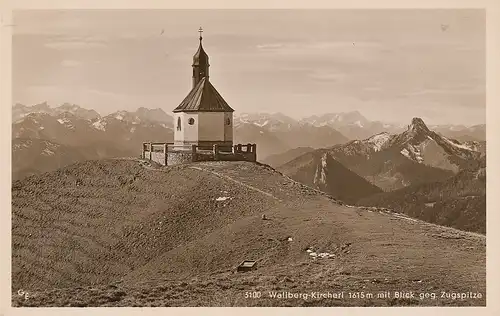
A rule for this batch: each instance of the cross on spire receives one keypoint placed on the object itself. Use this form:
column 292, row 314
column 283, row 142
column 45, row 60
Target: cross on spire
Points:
column 200, row 31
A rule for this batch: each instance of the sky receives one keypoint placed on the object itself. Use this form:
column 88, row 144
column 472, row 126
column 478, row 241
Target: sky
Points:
column 391, row 65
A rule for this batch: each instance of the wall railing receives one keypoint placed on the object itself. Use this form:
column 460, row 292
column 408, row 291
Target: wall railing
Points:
column 159, row 151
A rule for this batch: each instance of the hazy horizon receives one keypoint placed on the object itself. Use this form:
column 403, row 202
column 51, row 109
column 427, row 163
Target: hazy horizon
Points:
column 390, row 65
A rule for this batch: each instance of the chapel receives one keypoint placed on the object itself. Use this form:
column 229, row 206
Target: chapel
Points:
column 203, row 118
column 203, row 125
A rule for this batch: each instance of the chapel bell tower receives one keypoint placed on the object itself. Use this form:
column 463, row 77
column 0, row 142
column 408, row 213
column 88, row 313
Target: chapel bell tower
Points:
column 200, row 63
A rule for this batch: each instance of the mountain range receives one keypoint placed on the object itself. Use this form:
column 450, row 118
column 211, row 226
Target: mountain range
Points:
column 275, row 136
column 124, row 131
column 19, row 111
column 71, row 136
column 352, row 125
column 393, row 161
column 355, row 126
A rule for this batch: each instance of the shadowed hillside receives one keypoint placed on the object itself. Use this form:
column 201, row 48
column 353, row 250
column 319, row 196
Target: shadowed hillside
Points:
column 320, row 170
column 458, row 202
column 125, row 233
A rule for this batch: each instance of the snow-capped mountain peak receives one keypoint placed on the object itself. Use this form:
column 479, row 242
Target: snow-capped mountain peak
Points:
column 100, row 125
column 66, row 122
column 418, row 126
column 417, row 143
column 119, row 115
column 379, row 141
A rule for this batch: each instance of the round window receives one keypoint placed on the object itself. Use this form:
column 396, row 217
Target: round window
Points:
column 191, row 121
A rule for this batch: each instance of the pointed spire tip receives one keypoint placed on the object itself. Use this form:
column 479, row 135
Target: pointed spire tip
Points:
column 200, row 30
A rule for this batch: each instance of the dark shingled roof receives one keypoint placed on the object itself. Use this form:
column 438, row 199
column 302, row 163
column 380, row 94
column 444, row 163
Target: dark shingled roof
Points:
column 200, row 57
column 203, row 98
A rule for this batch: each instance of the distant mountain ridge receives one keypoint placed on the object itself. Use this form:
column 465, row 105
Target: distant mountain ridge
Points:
column 351, row 124
column 278, row 133
column 392, row 161
column 68, row 129
column 462, row 133
column 354, row 125
column 74, row 137
column 419, row 144
column 20, row 111
column 275, row 134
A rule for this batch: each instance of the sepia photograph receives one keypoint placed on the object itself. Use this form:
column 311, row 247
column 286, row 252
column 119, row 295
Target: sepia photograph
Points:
column 248, row 158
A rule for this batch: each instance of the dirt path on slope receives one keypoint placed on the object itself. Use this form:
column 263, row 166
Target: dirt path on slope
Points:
column 237, row 182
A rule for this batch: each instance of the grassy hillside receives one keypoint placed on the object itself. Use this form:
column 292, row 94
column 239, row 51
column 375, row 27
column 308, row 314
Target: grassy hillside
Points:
column 122, row 233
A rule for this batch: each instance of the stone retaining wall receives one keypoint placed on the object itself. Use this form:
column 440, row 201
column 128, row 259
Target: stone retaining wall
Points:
column 162, row 154
column 179, row 157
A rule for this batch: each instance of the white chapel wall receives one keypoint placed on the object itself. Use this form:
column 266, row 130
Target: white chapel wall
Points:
column 211, row 126
column 188, row 133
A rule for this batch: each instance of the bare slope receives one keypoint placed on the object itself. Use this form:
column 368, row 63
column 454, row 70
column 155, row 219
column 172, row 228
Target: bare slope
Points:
column 119, row 232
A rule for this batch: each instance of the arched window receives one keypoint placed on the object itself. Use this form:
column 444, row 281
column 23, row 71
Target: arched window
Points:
column 228, row 121
column 191, row 121
column 178, row 123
